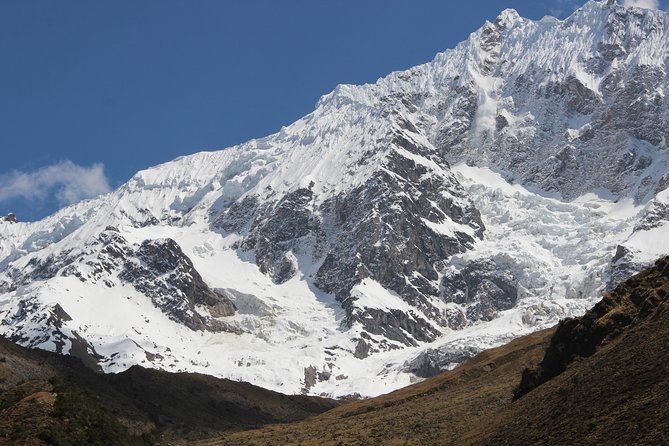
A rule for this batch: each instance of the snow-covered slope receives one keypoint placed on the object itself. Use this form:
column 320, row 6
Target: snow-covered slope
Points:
column 397, row 229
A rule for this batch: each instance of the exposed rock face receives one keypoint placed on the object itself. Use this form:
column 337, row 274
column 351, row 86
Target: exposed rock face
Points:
column 387, row 229
column 36, row 269
column 11, row 218
column 161, row 271
column 483, row 287
column 279, row 231
column 395, row 241
column 51, row 321
column 656, row 215
column 533, row 106
column 647, row 241
column 623, row 265
column 432, row 362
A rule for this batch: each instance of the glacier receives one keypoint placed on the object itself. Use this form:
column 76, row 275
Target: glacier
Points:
column 399, row 228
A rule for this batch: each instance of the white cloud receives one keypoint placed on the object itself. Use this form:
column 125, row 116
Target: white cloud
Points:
column 66, row 181
column 648, row 4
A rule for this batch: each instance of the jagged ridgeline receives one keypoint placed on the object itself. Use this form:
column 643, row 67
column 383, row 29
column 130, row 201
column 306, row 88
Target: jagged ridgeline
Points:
column 399, row 228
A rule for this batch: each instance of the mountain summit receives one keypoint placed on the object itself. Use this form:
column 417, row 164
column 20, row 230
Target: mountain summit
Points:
column 396, row 230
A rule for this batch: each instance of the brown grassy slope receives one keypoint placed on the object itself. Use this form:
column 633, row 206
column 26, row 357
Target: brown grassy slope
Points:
column 603, row 380
column 437, row 411
column 191, row 404
column 170, row 406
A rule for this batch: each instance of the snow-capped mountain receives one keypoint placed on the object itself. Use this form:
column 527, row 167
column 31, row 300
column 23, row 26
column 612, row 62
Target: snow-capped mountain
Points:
column 397, row 229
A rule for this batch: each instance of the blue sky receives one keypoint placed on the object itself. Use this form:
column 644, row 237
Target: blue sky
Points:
column 91, row 92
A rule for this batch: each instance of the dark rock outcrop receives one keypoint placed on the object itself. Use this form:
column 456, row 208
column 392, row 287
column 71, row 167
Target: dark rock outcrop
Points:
column 160, row 270
column 432, row 362
column 484, row 287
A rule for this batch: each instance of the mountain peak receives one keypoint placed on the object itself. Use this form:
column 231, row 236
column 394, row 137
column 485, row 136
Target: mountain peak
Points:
column 507, row 18
column 487, row 190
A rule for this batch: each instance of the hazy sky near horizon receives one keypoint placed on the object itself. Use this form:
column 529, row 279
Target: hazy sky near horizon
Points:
column 92, row 92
